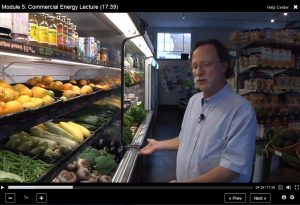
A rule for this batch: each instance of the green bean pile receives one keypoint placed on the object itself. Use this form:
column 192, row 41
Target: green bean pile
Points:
column 29, row 169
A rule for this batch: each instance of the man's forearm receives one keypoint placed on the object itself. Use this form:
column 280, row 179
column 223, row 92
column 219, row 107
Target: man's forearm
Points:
column 171, row 144
column 218, row 174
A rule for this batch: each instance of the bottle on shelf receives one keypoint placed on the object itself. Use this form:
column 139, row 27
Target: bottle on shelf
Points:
column 75, row 37
column 60, row 32
column 43, row 30
column 70, row 35
column 19, row 29
column 63, row 18
column 33, row 27
column 5, row 25
column 52, row 33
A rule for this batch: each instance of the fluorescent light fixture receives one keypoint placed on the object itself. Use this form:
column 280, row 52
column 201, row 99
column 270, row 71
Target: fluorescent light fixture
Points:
column 285, row 13
column 142, row 45
column 73, row 63
column 124, row 23
column 19, row 55
column 83, row 64
column 272, row 20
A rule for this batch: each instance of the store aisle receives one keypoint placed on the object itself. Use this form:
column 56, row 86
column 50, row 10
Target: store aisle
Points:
column 161, row 166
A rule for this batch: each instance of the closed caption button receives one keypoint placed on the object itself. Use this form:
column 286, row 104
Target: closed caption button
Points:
column 260, row 198
column 235, row 198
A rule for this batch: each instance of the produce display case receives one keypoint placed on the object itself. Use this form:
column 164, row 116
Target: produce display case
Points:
column 21, row 61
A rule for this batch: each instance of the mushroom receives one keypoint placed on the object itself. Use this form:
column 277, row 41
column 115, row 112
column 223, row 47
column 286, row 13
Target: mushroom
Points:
column 67, row 177
column 105, row 179
column 83, row 163
column 55, row 180
column 72, row 166
column 83, row 173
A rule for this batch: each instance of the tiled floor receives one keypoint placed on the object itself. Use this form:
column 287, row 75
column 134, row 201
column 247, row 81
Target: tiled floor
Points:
column 161, row 165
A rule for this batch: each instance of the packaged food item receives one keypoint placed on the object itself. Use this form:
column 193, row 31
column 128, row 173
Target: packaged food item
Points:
column 5, row 25
column 52, row 32
column 89, row 44
column 43, row 30
column 103, row 54
column 60, row 32
column 81, row 47
column 19, row 29
column 33, row 26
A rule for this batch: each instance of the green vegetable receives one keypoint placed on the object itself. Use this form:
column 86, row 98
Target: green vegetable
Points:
column 27, row 168
column 106, row 165
column 6, row 177
column 138, row 113
column 87, row 126
column 89, row 119
column 127, row 135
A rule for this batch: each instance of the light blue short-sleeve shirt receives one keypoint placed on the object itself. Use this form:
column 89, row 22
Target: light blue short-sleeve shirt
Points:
column 226, row 137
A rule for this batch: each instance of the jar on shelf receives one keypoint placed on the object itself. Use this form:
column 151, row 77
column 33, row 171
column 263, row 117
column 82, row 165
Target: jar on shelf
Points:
column 103, row 54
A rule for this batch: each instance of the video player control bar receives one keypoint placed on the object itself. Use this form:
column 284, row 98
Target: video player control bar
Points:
column 40, row 187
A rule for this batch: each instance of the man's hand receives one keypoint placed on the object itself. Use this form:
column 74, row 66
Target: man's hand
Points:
column 151, row 147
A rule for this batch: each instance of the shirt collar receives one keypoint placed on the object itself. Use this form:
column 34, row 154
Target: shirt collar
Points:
column 213, row 100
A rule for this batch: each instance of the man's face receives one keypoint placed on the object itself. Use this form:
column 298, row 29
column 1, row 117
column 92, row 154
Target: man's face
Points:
column 208, row 71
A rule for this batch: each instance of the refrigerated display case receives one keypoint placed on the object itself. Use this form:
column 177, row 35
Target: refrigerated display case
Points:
column 21, row 61
column 139, row 72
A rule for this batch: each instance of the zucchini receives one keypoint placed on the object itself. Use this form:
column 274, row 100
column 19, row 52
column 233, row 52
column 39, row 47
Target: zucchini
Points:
column 89, row 127
column 7, row 177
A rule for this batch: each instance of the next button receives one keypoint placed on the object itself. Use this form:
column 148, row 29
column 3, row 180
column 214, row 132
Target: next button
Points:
column 234, row 198
column 260, row 198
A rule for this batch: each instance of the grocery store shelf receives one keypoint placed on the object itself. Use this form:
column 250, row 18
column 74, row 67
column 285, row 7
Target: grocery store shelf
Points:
column 270, row 70
column 249, row 44
column 126, row 166
column 61, row 164
column 16, row 52
column 142, row 131
column 14, row 123
column 273, row 92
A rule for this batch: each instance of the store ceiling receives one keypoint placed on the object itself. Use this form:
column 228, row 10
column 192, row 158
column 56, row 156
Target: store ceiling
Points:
column 217, row 20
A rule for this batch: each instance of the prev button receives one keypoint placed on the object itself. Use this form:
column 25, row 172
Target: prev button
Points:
column 260, row 198
column 235, row 198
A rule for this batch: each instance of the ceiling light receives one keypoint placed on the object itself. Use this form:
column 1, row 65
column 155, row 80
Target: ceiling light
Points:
column 124, row 23
column 285, row 14
column 142, row 45
column 272, row 20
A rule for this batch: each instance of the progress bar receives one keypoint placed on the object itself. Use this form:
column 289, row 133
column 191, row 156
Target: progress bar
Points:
column 40, row 187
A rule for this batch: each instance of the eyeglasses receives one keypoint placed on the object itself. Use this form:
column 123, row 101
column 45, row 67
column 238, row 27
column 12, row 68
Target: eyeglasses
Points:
column 204, row 66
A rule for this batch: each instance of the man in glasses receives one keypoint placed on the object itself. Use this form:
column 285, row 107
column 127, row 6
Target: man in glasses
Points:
column 217, row 138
